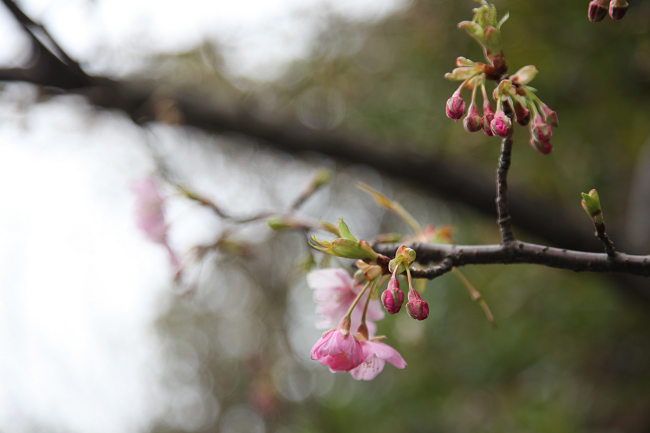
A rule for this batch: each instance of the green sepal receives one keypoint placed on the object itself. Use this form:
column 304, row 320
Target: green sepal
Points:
column 345, row 232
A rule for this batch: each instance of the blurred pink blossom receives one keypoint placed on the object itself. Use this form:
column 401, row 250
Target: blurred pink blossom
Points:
column 375, row 355
column 335, row 291
column 149, row 215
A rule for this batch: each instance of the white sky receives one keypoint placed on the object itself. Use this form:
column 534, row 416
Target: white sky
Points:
column 256, row 36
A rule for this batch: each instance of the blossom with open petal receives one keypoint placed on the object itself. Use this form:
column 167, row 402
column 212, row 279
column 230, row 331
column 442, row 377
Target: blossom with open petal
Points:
column 335, row 291
column 339, row 350
column 375, row 355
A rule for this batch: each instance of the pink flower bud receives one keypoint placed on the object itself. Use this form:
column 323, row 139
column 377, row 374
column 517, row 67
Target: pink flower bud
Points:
column 501, row 124
column 541, row 131
column 393, row 297
column 618, row 9
column 542, row 147
column 488, row 116
column 455, row 106
column 550, row 116
column 522, row 115
column 597, row 10
column 473, row 122
column 416, row 307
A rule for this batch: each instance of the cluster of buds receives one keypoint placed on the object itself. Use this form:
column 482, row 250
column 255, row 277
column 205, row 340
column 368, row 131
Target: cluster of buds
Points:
column 598, row 9
column 393, row 297
column 511, row 90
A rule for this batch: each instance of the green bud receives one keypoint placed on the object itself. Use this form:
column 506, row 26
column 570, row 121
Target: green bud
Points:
column 278, row 224
column 321, row 177
column 591, row 205
column 492, row 38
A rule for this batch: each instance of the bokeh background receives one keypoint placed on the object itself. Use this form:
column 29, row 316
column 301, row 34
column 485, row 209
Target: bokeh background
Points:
column 97, row 336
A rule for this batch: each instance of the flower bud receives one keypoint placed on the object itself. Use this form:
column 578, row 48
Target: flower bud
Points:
column 522, row 115
column 473, row 122
column 541, row 131
column 597, row 10
column 542, row 147
column 416, row 307
column 501, row 124
column 550, row 116
column 455, row 106
column 393, row 297
column 618, row 9
column 488, row 116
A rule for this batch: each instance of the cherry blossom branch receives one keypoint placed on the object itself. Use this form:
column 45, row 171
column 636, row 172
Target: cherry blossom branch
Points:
column 518, row 253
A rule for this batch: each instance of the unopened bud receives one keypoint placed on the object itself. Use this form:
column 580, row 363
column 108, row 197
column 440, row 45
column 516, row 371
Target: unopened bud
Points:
column 522, row 115
column 550, row 116
column 416, row 307
column 541, row 131
column 393, row 297
column 473, row 122
column 501, row 124
column 488, row 116
column 597, row 10
column 591, row 204
column 455, row 106
column 543, row 147
column 618, row 9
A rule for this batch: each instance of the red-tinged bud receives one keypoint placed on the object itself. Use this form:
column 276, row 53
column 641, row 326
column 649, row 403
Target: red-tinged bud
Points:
column 501, row 124
column 488, row 116
column 416, row 307
column 542, row 147
column 455, row 106
column 618, row 9
column 550, row 116
column 597, row 10
column 473, row 122
column 522, row 115
column 541, row 131
column 393, row 297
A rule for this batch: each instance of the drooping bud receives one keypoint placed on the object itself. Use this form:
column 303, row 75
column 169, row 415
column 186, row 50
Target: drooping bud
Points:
column 618, row 9
column 550, row 116
column 473, row 122
column 416, row 307
column 522, row 115
column 393, row 297
column 597, row 10
column 501, row 124
column 455, row 106
column 541, row 131
column 542, row 147
column 488, row 116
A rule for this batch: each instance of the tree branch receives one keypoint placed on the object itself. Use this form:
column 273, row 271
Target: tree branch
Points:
column 503, row 213
column 519, row 253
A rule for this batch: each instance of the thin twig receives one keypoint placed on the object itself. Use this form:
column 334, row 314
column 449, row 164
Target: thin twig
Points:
column 602, row 235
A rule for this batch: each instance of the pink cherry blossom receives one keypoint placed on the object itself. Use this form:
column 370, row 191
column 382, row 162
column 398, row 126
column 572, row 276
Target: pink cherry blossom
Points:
column 375, row 355
column 149, row 215
column 335, row 291
column 339, row 350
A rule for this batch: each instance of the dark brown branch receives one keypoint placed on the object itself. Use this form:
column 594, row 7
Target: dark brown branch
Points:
column 503, row 214
column 520, row 253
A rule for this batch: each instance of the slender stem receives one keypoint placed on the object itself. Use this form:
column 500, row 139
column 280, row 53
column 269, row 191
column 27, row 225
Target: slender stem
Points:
column 503, row 213
column 356, row 301
column 609, row 245
column 365, row 308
